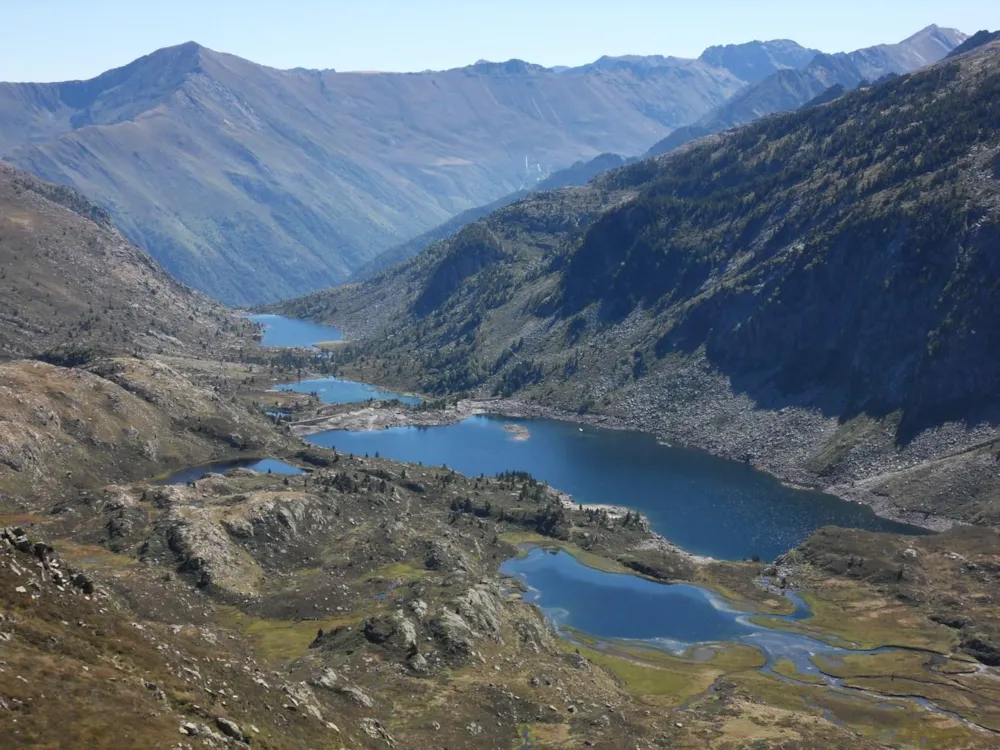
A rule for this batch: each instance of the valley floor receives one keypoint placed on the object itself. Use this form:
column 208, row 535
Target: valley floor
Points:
column 352, row 605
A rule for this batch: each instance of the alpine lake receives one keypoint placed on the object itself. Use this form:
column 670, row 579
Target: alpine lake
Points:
column 705, row 505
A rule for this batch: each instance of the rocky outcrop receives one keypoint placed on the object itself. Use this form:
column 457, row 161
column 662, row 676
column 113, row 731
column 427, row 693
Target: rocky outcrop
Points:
column 40, row 564
column 482, row 607
column 204, row 550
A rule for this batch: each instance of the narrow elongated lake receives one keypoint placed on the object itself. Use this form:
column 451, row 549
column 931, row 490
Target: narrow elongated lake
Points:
column 706, row 505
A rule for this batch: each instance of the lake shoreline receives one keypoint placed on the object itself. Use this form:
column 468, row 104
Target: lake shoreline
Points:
column 382, row 415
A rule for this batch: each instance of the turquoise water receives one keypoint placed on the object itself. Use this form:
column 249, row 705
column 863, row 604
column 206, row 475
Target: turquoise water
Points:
column 282, row 331
column 706, row 505
column 338, row 391
column 193, row 473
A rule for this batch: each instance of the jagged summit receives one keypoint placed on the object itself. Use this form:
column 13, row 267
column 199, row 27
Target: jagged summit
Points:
column 513, row 66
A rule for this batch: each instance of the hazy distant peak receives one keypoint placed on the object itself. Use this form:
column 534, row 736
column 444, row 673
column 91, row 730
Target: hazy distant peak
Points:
column 754, row 61
column 510, row 67
column 142, row 80
column 934, row 42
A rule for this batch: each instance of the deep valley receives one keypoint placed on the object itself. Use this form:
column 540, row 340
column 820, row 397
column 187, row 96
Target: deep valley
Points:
column 699, row 451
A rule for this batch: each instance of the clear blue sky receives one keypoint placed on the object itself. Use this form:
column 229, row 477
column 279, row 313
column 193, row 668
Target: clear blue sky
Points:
column 48, row 40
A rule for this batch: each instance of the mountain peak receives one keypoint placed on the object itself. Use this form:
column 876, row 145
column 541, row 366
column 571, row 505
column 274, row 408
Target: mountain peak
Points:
column 151, row 75
column 510, row 67
column 754, row 61
column 936, row 35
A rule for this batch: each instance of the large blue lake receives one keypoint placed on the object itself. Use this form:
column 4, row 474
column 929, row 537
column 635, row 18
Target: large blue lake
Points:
column 704, row 504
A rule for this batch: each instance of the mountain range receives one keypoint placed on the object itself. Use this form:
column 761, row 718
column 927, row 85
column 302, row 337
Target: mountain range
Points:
column 781, row 75
column 812, row 294
column 252, row 183
column 791, row 88
column 805, row 290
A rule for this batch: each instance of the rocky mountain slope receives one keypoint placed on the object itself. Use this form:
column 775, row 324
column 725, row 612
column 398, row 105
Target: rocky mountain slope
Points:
column 69, row 279
column 252, row 183
column 783, row 294
column 99, row 376
column 786, row 89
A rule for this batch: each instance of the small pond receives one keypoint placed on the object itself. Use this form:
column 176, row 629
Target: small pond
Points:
column 266, row 465
column 340, row 391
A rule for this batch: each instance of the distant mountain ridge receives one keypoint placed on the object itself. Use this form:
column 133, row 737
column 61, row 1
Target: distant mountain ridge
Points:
column 790, row 88
column 253, row 183
column 755, row 61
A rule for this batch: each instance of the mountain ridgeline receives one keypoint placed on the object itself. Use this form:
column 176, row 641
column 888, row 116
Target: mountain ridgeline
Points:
column 839, row 259
column 252, row 183
column 789, row 88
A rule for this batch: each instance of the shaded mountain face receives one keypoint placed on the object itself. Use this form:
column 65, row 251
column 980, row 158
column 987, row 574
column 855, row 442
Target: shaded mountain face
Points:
column 979, row 39
column 252, row 183
column 70, row 281
column 790, row 88
column 841, row 257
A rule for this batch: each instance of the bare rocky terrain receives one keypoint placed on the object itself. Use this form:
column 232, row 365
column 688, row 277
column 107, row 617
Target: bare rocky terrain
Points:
column 70, row 280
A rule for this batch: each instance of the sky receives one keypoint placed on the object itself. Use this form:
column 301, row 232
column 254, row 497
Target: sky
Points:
column 55, row 40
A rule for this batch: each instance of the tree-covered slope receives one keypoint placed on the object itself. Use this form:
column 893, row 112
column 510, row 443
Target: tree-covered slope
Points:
column 841, row 260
